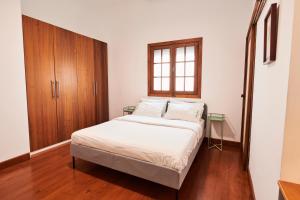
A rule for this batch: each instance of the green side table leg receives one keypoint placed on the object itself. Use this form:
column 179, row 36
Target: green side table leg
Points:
column 209, row 133
column 219, row 145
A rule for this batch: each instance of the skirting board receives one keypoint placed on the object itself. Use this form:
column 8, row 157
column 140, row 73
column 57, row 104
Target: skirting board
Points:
column 49, row 148
column 27, row 156
column 251, row 185
column 14, row 161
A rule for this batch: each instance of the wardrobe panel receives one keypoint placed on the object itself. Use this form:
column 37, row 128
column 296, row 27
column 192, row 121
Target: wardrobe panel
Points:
column 66, row 83
column 101, row 78
column 39, row 67
column 86, row 81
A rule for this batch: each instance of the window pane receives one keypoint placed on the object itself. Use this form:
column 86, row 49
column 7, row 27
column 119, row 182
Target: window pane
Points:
column 157, row 84
column 189, row 69
column 179, row 69
column 189, row 84
column 166, row 84
column 166, row 69
column 190, row 53
column 166, row 55
column 180, row 54
column 157, row 56
column 179, row 84
column 157, row 70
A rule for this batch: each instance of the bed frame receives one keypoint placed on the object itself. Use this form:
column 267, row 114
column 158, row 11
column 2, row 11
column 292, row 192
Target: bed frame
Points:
column 142, row 169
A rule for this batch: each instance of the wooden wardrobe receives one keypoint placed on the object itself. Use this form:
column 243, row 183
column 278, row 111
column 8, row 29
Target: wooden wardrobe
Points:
column 66, row 78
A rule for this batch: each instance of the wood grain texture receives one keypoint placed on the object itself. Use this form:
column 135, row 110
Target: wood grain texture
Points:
column 66, row 83
column 66, row 74
column 14, row 161
column 101, row 78
column 214, row 175
column 290, row 191
column 39, row 67
column 86, row 81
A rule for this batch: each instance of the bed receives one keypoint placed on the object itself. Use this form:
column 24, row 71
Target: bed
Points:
column 156, row 149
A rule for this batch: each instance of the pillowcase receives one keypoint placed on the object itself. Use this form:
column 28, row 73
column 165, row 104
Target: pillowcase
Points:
column 150, row 108
column 185, row 111
column 157, row 100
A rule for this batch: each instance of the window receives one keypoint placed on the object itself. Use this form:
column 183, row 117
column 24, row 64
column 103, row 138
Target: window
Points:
column 174, row 68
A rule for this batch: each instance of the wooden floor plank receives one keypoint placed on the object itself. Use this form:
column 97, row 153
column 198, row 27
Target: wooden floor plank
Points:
column 214, row 175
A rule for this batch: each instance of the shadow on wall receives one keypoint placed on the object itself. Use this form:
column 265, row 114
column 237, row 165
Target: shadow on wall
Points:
column 229, row 131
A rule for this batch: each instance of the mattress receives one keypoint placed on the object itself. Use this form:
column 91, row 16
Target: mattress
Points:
column 162, row 142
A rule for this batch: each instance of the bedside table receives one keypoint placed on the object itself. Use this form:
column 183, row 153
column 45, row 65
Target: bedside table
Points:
column 128, row 110
column 219, row 118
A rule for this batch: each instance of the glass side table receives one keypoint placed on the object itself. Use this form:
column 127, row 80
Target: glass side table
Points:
column 128, row 110
column 219, row 118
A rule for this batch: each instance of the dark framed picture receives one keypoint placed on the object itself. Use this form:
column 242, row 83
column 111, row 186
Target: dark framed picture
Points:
column 270, row 34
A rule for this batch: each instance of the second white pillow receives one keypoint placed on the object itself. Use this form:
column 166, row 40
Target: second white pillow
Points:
column 184, row 111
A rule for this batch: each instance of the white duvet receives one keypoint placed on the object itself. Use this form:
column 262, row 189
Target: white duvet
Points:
column 160, row 141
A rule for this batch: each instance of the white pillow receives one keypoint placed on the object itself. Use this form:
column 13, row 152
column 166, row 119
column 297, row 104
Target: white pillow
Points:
column 157, row 100
column 185, row 111
column 150, row 108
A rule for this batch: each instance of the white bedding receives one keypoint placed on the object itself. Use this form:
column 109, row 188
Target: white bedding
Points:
column 160, row 141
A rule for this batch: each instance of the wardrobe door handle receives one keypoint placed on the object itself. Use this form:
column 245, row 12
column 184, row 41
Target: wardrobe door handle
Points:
column 53, row 89
column 57, row 89
column 95, row 88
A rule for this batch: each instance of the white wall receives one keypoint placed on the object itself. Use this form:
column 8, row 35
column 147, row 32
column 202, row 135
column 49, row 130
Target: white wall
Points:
column 269, row 106
column 223, row 26
column 13, row 108
column 128, row 26
column 290, row 164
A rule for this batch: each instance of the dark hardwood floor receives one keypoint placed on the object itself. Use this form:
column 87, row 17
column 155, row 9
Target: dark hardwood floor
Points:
column 214, row 175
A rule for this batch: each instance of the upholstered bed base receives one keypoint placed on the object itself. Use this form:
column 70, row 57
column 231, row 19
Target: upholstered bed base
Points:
column 139, row 168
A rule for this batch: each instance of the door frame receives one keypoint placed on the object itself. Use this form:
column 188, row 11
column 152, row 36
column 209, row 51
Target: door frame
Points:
column 248, row 86
column 258, row 8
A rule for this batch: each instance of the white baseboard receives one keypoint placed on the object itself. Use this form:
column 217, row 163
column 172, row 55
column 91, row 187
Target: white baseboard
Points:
column 48, row 148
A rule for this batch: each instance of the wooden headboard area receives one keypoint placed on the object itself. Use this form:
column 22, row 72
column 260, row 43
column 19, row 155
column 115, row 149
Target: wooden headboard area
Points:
column 204, row 115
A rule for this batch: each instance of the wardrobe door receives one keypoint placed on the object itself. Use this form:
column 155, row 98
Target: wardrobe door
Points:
column 66, row 83
column 39, row 67
column 101, row 84
column 86, row 81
